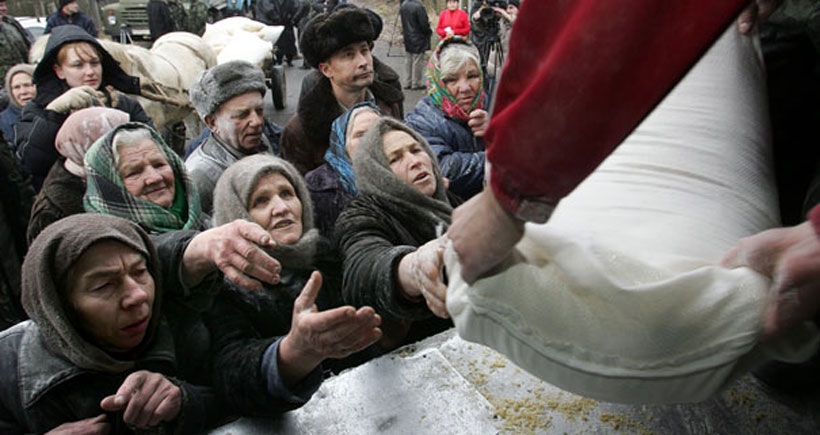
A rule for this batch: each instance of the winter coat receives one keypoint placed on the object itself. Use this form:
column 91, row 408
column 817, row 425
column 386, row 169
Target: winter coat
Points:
column 208, row 161
column 328, row 196
column 415, row 26
column 16, row 196
column 80, row 19
column 307, row 134
column 160, row 20
column 460, row 154
column 456, row 20
column 8, row 119
column 38, row 126
column 61, row 196
column 15, row 42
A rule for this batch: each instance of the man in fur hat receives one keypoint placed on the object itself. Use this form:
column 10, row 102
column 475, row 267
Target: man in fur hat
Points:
column 339, row 45
column 230, row 100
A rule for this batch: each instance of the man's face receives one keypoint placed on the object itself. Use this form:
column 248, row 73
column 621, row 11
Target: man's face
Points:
column 3, row 9
column 351, row 67
column 71, row 8
column 238, row 122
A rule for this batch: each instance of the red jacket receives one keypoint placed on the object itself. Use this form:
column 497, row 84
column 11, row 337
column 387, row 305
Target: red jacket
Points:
column 577, row 82
column 456, row 19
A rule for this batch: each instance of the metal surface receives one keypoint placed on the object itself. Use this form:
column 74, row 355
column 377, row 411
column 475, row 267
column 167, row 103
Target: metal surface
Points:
column 445, row 385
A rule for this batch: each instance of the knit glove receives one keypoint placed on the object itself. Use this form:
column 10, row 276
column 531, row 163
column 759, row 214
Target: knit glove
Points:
column 75, row 99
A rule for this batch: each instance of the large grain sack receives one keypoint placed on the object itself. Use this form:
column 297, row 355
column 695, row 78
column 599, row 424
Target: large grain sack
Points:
column 618, row 296
column 240, row 38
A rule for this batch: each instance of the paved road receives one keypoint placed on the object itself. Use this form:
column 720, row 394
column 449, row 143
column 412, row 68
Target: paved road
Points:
column 294, row 75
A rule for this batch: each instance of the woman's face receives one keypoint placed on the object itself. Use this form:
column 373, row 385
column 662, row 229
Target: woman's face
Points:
column 452, row 4
column 361, row 123
column 464, row 84
column 22, row 89
column 112, row 293
column 274, row 205
column 409, row 161
column 79, row 65
column 146, row 173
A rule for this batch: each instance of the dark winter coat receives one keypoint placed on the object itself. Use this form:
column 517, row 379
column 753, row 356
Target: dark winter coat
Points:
column 328, row 197
column 8, row 118
column 61, row 196
column 160, row 21
column 307, row 134
column 38, row 126
column 415, row 26
column 280, row 13
column 460, row 154
column 16, row 196
column 79, row 19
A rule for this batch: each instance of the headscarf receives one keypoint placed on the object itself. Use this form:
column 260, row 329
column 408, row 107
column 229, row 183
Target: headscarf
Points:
column 374, row 176
column 232, row 196
column 437, row 90
column 106, row 192
column 80, row 130
column 17, row 69
column 336, row 154
column 45, row 275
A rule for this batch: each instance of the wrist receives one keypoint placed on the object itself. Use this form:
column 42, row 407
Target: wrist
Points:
column 405, row 285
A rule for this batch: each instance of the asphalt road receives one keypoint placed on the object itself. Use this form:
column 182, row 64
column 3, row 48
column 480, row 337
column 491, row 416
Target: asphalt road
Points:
column 393, row 56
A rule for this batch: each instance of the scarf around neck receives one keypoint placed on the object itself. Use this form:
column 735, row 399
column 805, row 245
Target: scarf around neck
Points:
column 437, row 90
column 336, row 154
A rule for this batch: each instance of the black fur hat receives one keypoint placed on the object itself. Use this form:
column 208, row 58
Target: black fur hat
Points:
column 327, row 33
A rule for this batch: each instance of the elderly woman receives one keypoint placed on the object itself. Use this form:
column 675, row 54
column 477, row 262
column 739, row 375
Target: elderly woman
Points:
column 269, row 345
column 96, row 356
column 133, row 174
column 332, row 185
column 21, row 90
column 384, row 233
column 64, row 187
column 75, row 72
column 452, row 117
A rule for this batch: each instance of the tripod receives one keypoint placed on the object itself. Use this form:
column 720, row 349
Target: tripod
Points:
column 492, row 59
column 393, row 35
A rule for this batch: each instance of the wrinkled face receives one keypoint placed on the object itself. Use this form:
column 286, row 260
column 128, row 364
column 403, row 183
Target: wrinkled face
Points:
column 146, row 173
column 112, row 293
column 464, row 84
column 274, row 205
column 351, row 67
column 79, row 64
column 452, row 4
column 361, row 123
column 409, row 162
column 239, row 121
column 22, row 89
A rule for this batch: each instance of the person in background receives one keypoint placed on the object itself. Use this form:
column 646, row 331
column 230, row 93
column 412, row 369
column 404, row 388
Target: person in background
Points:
column 271, row 346
column 64, row 186
column 280, row 13
column 69, row 12
column 389, row 233
column 453, row 21
column 21, row 91
column 339, row 45
column 15, row 42
column 452, row 116
column 229, row 99
column 332, row 185
column 160, row 19
column 415, row 25
column 75, row 72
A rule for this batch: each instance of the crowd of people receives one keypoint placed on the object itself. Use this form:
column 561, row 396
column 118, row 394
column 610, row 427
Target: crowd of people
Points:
column 147, row 289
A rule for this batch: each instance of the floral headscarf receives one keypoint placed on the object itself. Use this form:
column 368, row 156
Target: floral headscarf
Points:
column 336, row 154
column 437, row 90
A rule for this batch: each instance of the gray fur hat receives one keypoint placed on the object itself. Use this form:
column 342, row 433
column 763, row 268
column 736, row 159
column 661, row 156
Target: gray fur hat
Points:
column 327, row 33
column 223, row 82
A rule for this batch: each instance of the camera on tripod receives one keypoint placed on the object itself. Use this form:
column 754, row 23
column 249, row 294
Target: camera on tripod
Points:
column 487, row 14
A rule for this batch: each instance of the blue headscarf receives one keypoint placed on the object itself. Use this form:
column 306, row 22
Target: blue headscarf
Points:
column 336, row 155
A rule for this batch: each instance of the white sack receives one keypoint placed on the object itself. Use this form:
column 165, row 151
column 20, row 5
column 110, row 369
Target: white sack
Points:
column 253, row 39
column 618, row 297
column 248, row 47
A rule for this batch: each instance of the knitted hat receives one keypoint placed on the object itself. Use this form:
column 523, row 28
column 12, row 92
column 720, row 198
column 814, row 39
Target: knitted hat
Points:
column 66, row 2
column 19, row 68
column 327, row 33
column 223, row 82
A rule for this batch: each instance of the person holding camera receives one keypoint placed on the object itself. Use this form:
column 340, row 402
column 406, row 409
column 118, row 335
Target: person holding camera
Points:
column 485, row 32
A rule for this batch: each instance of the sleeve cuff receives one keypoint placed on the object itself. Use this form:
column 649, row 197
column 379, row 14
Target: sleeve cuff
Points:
column 301, row 392
column 526, row 208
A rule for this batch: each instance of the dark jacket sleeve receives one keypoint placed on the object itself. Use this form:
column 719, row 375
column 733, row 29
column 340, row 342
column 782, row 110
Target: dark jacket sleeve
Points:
column 371, row 261
column 36, row 131
column 134, row 109
column 201, row 410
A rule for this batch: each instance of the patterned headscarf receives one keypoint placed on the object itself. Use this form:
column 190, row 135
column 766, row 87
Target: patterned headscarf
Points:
column 437, row 90
column 80, row 130
column 106, row 192
column 336, row 154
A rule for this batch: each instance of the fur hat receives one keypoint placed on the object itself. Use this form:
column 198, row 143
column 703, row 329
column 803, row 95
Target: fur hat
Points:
column 327, row 33
column 223, row 82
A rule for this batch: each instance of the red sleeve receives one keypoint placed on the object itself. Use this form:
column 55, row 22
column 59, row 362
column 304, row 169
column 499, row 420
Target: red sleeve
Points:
column 462, row 24
column 814, row 217
column 442, row 23
column 580, row 76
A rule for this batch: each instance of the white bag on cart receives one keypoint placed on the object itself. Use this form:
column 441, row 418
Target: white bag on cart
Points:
column 618, row 296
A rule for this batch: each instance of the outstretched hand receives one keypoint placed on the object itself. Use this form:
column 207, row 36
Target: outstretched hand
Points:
column 148, row 399
column 791, row 257
column 421, row 273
